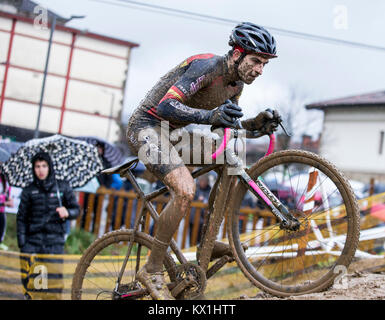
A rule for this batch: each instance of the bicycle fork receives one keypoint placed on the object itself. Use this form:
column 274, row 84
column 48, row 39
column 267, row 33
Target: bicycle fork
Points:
column 259, row 189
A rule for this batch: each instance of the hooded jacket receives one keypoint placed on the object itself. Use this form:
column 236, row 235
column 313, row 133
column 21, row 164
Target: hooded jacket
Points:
column 38, row 223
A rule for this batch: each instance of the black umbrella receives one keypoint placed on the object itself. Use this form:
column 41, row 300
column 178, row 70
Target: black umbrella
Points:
column 111, row 153
column 74, row 161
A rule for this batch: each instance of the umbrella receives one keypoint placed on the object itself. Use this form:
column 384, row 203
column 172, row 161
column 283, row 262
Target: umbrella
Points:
column 74, row 161
column 111, row 153
column 11, row 147
column 4, row 155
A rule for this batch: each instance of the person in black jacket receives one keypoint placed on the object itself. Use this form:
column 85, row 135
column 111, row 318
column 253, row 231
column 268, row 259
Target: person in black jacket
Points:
column 41, row 219
column 104, row 180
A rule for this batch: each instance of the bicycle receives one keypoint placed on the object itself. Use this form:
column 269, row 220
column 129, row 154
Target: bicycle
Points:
column 316, row 230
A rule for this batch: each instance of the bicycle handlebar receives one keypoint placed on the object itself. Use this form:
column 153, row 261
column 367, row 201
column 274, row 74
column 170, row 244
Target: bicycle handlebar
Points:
column 226, row 138
column 222, row 147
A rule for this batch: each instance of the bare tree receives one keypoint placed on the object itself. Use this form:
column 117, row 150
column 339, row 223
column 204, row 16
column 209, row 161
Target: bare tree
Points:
column 296, row 119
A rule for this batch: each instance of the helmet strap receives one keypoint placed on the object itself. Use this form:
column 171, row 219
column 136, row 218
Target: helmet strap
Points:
column 239, row 60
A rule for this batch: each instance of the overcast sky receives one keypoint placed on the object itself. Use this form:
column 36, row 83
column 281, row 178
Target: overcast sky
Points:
column 316, row 70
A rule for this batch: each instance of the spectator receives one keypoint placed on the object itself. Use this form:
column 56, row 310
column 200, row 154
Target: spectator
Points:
column 5, row 201
column 127, row 186
column 105, row 180
column 41, row 219
column 117, row 184
column 202, row 195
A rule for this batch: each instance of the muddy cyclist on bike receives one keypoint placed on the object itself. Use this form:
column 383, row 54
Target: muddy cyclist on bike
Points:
column 203, row 89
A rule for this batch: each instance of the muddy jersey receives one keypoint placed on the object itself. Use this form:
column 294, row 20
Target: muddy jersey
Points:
column 183, row 95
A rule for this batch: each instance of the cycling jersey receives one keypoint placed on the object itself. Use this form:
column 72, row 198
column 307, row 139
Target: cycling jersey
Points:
column 183, row 96
column 200, row 82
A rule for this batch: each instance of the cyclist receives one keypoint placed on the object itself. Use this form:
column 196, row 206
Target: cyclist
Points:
column 203, row 89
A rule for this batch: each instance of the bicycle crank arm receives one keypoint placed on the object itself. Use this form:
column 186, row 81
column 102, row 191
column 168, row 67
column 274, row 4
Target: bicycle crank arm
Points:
column 135, row 294
column 175, row 289
column 218, row 265
column 184, row 284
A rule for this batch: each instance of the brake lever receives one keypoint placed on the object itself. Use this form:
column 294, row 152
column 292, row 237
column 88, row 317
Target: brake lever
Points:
column 284, row 129
column 238, row 126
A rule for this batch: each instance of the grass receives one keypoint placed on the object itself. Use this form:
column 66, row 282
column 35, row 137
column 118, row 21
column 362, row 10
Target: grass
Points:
column 10, row 239
column 78, row 241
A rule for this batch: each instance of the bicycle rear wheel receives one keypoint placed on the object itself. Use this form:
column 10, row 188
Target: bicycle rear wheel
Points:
column 98, row 269
column 284, row 262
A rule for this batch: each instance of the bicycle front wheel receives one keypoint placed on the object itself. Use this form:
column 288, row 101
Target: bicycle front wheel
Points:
column 97, row 271
column 284, row 262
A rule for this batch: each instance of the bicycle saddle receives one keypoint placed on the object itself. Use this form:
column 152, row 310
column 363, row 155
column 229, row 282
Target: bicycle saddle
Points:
column 120, row 169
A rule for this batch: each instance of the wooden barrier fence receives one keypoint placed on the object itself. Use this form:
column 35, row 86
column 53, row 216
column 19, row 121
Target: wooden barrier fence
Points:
column 119, row 208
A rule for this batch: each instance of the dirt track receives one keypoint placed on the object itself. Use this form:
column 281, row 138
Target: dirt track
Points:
column 365, row 280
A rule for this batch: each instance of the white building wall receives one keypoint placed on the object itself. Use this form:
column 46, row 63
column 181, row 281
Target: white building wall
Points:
column 32, row 52
column 95, row 88
column 351, row 139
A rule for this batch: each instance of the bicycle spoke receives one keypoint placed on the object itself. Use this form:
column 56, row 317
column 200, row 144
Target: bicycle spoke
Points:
column 259, row 235
column 292, row 257
column 112, row 276
column 276, row 183
column 291, row 186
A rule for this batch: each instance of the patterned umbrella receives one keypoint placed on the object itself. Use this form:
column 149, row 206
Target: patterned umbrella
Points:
column 111, row 153
column 74, row 161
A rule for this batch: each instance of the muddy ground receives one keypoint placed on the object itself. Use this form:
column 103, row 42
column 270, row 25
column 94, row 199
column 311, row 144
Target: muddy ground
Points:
column 364, row 280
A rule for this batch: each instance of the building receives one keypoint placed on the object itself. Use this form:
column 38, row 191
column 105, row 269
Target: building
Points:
column 26, row 8
column 85, row 84
column 353, row 134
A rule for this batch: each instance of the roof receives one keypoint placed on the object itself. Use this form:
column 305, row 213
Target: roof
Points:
column 376, row 99
column 83, row 33
column 26, row 8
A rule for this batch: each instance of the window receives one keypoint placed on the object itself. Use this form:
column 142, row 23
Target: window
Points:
column 381, row 142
